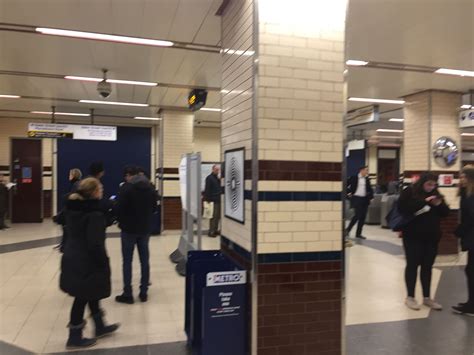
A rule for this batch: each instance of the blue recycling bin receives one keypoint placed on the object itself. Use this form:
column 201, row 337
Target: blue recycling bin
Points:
column 216, row 304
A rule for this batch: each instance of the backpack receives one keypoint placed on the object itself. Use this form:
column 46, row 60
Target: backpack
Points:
column 397, row 221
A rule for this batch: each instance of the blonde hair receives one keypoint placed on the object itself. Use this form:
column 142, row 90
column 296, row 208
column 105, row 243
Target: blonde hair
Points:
column 86, row 189
column 76, row 173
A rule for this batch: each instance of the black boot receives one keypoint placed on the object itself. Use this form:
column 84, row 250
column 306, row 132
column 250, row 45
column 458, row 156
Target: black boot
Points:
column 75, row 337
column 102, row 330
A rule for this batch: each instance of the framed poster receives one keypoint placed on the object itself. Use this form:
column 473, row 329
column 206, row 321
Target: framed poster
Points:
column 234, row 185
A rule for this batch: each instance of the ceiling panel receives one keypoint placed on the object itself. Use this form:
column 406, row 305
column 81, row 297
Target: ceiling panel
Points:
column 436, row 33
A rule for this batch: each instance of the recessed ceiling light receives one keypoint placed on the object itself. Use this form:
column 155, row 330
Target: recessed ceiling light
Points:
column 467, row 107
column 397, row 120
column 390, row 130
column 380, row 101
column 10, row 96
column 60, row 113
column 455, row 72
column 104, row 37
column 112, row 103
column 210, row 109
column 148, row 118
column 356, row 63
column 112, row 81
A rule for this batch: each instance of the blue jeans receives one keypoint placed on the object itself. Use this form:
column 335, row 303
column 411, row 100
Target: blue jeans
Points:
column 128, row 246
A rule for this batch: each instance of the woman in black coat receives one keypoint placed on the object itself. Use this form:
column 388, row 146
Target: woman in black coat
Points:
column 426, row 206
column 85, row 269
column 465, row 231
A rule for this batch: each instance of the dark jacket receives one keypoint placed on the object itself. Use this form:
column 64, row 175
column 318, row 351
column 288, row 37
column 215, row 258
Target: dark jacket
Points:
column 465, row 230
column 3, row 197
column 427, row 225
column 136, row 205
column 74, row 185
column 85, row 269
column 212, row 191
column 353, row 183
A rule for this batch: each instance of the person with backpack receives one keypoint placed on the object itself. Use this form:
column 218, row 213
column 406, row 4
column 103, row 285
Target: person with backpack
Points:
column 425, row 206
column 135, row 207
column 465, row 232
column 85, row 269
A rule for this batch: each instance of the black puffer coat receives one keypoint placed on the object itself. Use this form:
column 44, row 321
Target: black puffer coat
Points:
column 85, row 269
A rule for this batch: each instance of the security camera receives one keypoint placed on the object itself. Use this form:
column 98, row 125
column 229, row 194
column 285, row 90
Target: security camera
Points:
column 104, row 88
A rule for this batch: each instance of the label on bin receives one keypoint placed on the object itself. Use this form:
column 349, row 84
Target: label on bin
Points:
column 226, row 278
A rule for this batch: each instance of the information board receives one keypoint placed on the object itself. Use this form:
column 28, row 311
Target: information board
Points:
column 82, row 132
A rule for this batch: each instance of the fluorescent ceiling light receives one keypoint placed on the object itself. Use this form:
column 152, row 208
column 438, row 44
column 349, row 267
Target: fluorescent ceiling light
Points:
column 60, row 113
column 356, row 63
column 467, row 134
column 455, row 72
column 112, row 103
column 397, row 120
column 467, row 107
column 390, row 130
column 104, row 37
column 148, row 118
column 379, row 101
column 10, row 96
column 112, row 81
column 238, row 52
column 210, row 109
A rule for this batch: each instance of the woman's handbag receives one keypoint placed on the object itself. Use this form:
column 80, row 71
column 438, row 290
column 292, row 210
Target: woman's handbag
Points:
column 208, row 210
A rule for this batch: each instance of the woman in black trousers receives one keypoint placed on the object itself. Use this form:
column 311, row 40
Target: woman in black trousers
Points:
column 85, row 269
column 423, row 203
column 465, row 231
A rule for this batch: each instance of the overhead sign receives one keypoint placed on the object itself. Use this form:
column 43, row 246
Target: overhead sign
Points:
column 362, row 115
column 83, row 132
column 197, row 99
column 466, row 118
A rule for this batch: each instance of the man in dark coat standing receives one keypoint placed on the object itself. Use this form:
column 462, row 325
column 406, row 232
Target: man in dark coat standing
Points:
column 212, row 193
column 361, row 194
column 3, row 202
column 135, row 207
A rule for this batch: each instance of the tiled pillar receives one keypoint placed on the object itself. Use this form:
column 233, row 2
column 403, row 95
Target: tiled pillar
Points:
column 177, row 140
column 283, row 102
column 430, row 115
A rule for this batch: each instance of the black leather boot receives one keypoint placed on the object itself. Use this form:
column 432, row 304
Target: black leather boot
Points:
column 102, row 330
column 76, row 341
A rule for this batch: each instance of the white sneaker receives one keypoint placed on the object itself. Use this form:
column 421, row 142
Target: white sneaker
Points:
column 428, row 302
column 411, row 303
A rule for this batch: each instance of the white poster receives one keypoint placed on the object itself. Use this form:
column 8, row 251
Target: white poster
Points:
column 234, row 185
column 466, row 118
column 85, row 132
column 182, row 181
column 195, row 194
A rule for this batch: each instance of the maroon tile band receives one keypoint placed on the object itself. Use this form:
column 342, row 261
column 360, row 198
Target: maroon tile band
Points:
column 282, row 170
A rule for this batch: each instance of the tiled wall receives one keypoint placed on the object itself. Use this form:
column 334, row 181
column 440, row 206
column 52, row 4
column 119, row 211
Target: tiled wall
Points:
column 430, row 115
column 178, row 140
column 416, row 132
column 300, row 114
column 300, row 308
column 237, row 99
column 208, row 142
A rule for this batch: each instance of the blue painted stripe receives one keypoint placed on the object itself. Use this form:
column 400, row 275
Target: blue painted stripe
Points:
column 283, row 257
column 295, row 196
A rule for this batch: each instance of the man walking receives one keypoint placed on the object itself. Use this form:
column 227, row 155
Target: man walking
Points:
column 212, row 193
column 360, row 193
column 135, row 207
